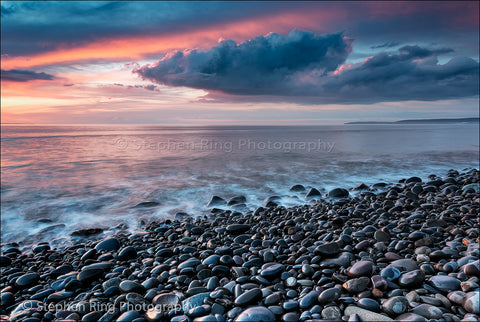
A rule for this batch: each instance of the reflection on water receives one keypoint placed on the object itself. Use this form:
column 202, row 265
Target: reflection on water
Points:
column 84, row 176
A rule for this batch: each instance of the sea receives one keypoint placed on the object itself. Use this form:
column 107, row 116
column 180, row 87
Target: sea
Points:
column 57, row 179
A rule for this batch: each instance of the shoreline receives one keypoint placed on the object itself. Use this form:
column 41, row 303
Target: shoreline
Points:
column 408, row 252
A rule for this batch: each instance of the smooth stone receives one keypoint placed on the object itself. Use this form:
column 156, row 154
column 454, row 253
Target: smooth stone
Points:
column 369, row 304
column 272, row 270
column 256, row 313
column 381, row 236
column 191, row 262
column 291, row 282
column 153, row 315
column 411, row 279
column 329, row 295
column 5, row 261
column 290, row 317
column 395, row 305
column 366, row 315
column 472, row 269
column 211, row 260
column 329, row 249
column 237, row 229
column 249, row 297
column 92, row 316
column 457, row 297
column 444, row 283
column 411, row 317
column 272, row 299
column 356, row 285
column 101, row 265
column 237, row 200
column 207, row 318
column 338, row 193
column 108, row 245
column 404, row 264
column 312, row 193
column 297, row 188
column 128, row 316
column 290, row 305
column 166, row 299
column 471, row 303
column 90, row 275
column 390, row 273
column 309, row 300
column 127, row 253
column 7, row 299
column 428, row 311
column 199, row 310
column 331, row 313
column 194, row 301
column 361, row 268
column 379, row 282
column 27, row 280
column 131, row 286
column 216, row 201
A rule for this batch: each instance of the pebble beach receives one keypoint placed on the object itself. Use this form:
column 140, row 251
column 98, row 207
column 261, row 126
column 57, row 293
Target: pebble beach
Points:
column 404, row 251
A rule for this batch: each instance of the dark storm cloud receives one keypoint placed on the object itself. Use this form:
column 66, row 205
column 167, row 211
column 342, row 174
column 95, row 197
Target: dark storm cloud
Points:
column 262, row 65
column 386, row 45
column 408, row 75
column 16, row 75
column 300, row 67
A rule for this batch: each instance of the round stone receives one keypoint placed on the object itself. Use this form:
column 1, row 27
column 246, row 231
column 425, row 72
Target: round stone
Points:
column 390, row 273
column 309, row 300
column 27, row 280
column 108, row 245
column 127, row 253
column 256, row 313
column 131, row 286
column 411, row 279
column 471, row 303
column 361, row 268
column 329, row 295
column 369, row 304
column 395, row 305
column 332, row 313
column 249, row 297
column 444, row 283
column 356, row 285
column 237, row 229
column 272, row 270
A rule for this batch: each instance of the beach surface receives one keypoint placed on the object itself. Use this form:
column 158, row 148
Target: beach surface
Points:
column 406, row 250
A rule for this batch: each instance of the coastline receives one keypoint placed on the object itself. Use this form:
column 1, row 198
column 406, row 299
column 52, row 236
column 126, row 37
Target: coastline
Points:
column 406, row 252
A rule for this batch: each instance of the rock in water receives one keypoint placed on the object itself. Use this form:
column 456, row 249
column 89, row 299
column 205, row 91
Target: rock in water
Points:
column 312, row 193
column 147, row 204
column 216, row 201
column 297, row 188
column 338, row 193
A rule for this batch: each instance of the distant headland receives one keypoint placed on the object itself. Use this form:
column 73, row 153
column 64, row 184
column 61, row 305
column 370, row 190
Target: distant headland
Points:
column 422, row 121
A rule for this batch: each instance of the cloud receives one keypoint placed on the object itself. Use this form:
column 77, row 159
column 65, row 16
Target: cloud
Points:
column 308, row 68
column 411, row 74
column 262, row 65
column 388, row 44
column 17, row 75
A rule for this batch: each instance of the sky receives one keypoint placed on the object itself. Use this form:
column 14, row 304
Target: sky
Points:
column 237, row 63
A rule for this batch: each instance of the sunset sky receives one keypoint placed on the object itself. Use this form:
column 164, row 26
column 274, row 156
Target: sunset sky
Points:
column 246, row 63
